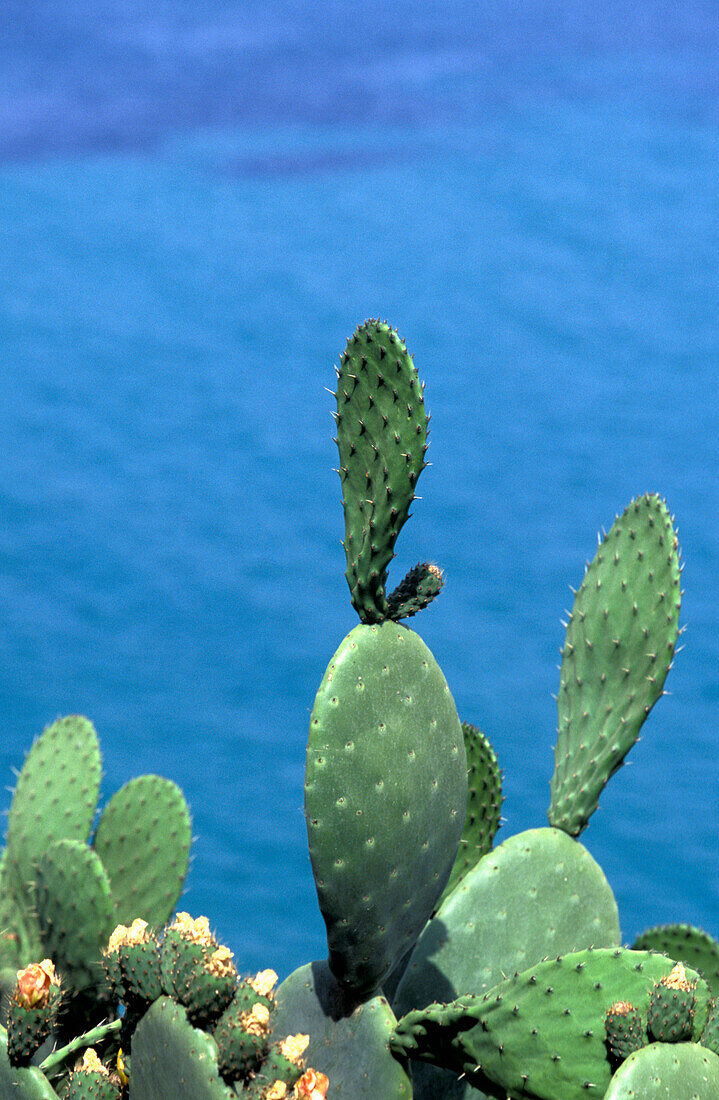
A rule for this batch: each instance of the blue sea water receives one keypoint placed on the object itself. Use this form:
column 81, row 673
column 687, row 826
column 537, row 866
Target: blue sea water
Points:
column 198, row 203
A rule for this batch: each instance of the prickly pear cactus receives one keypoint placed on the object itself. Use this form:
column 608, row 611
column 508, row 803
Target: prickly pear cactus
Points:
column 385, row 798
column 382, row 439
column 386, row 776
column 683, row 1071
column 349, row 1041
column 671, row 1007
column 626, row 1030
column 620, row 643
column 32, row 1011
column 541, row 1033
column 484, row 805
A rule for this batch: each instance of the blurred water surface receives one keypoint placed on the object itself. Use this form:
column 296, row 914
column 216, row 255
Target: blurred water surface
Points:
column 198, row 202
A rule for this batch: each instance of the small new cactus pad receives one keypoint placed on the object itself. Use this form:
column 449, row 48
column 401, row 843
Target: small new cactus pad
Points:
column 143, row 839
column 690, row 945
column 661, row 1072
column 32, row 1010
column 484, row 805
column 382, row 440
column 618, row 650
column 242, row 1035
column 171, row 1058
column 385, row 797
column 415, row 592
column 626, row 1030
column 91, row 1080
column 671, row 1007
column 55, row 796
column 204, row 979
column 132, row 962
column 349, row 1042
column 75, row 911
column 540, row 1033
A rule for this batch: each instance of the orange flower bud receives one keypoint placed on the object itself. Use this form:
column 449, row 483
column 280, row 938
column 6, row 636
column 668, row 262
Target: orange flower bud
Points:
column 312, row 1085
column 33, row 983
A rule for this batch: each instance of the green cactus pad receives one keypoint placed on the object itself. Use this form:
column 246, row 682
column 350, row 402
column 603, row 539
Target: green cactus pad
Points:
column 56, row 794
column 619, row 648
column 671, row 1009
column 626, row 1030
column 541, row 1033
column 415, row 592
column 661, row 1072
column 28, row 1028
column 484, row 805
column 172, row 1058
column 14, row 945
column 710, row 1033
column 348, row 1044
column 241, row 1044
column 385, row 797
column 20, row 1082
column 143, row 839
column 89, row 1085
column 382, row 440
column 687, row 944
column 75, row 911
column 205, row 990
column 536, row 895
column 139, row 966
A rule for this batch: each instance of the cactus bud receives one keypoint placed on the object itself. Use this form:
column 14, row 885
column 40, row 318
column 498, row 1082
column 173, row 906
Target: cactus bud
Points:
column 312, row 1086
column 32, row 1010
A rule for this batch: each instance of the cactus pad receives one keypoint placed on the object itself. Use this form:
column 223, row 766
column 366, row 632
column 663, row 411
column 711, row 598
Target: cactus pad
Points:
column 56, row 794
column 540, row 1033
column 172, row 1058
column 618, row 650
column 75, row 911
column 671, row 1007
column 22, row 1082
column 661, row 1072
column 385, row 797
column 626, row 1030
column 382, row 439
column 348, row 1044
column 537, row 894
column 484, row 805
column 143, row 839
column 415, row 592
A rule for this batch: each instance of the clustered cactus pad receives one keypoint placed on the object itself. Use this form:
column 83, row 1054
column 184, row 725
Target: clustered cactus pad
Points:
column 456, row 970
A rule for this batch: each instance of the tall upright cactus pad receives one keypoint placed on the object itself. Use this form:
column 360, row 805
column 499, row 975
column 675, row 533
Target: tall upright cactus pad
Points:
column 541, row 1033
column 484, row 805
column 663, row 1071
column 619, row 648
column 382, row 440
column 385, row 797
column 143, row 839
column 349, row 1042
column 55, row 796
